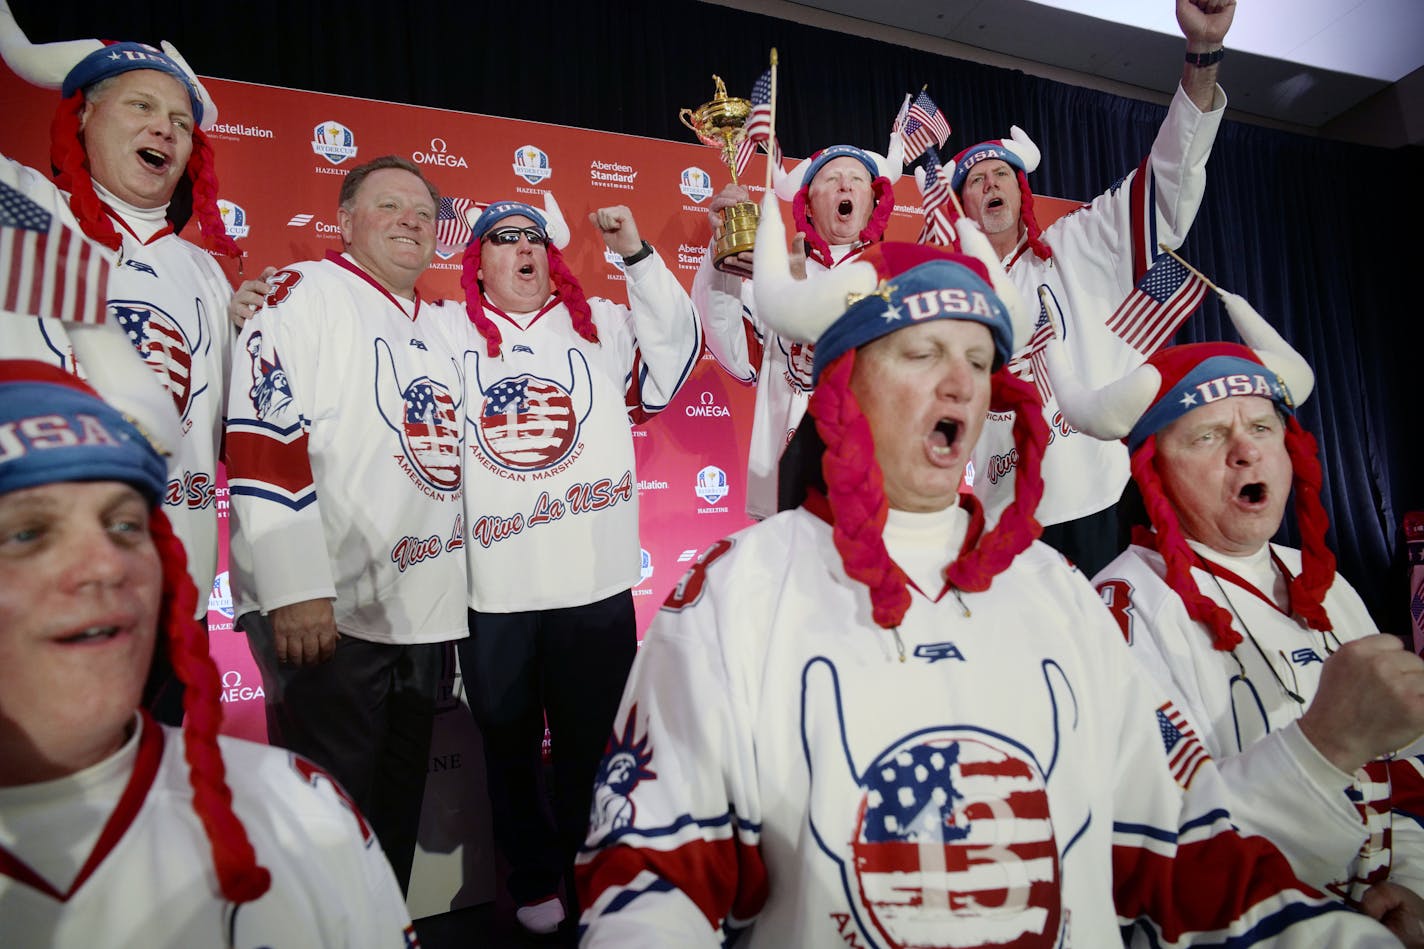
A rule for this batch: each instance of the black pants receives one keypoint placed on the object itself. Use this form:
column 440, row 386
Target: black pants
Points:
column 569, row 664
column 366, row 717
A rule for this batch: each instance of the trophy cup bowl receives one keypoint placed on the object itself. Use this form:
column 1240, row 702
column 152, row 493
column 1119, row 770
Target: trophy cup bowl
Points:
column 721, row 124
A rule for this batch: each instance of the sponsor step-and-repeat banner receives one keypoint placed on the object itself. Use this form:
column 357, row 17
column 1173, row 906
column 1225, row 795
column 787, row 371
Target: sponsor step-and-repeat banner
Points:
column 281, row 155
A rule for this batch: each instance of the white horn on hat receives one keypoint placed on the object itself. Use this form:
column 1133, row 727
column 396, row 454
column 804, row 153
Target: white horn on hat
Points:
column 116, row 371
column 788, row 183
column 1021, row 145
column 1270, row 347
column 210, row 108
column 892, row 166
column 973, row 242
column 40, row 64
column 1108, row 413
column 799, row 309
column 558, row 227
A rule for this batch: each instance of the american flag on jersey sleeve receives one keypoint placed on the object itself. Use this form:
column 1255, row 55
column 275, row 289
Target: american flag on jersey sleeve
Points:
column 1185, row 753
column 1164, row 297
column 925, row 127
column 46, row 267
column 452, row 230
column 758, row 126
column 939, row 228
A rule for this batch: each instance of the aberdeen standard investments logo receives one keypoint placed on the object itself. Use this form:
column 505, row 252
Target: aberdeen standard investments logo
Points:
column 531, row 164
column 333, row 141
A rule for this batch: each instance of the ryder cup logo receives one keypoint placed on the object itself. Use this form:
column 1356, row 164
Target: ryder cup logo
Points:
column 696, row 184
column 220, row 600
column 711, row 484
column 333, row 141
column 234, row 218
column 646, row 565
column 531, row 164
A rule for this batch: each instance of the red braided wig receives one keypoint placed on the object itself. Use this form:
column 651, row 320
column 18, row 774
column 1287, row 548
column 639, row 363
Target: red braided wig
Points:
column 975, row 569
column 71, row 173
column 1031, row 228
column 874, row 230
column 240, row 877
column 202, row 172
column 1172, row 545
column 566, row 288
column 1317, row 561
column 855, row 490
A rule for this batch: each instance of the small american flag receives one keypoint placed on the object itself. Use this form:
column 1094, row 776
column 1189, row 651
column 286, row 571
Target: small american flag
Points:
column 758, row 125
column 1164, row 297
column 939, row 226
column 46, row 267
column 1185, row 753
column 925, row 127
column 452, row 230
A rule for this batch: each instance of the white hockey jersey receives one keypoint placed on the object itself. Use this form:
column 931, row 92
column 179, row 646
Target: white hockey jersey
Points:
column 148, row 880
column 1341, row 831
column 1015, row 779
column 1099, row 252
column 344, row 455
column 753, row 354
column 170, row 298
column 552, row 503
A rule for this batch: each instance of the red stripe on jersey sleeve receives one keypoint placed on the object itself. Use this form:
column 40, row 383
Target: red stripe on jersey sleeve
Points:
column 255, row 457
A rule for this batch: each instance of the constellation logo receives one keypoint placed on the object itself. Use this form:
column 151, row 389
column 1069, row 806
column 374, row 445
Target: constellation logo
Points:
column 300, row 220
column 440, row 155
column 333, row 141
column 696, row 184
column 234, row 218
column 531, row 164
column 707, row 407
column 234, row 691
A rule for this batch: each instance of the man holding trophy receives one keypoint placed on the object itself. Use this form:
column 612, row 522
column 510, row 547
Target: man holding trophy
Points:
column 841, row 201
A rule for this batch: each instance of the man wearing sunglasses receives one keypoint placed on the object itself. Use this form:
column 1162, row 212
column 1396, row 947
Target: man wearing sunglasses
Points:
column 554, row 382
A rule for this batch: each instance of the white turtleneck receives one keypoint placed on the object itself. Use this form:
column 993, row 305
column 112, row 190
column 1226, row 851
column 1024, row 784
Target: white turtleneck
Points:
column 923, row 544
column 144, row 222
column 1257, row 568
column 53, row 825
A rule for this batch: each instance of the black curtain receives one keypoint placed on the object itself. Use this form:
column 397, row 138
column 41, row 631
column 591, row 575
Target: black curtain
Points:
column 1320, row 236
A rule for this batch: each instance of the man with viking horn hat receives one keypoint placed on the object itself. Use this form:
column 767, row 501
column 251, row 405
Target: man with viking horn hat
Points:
column 1087, row 262
column 841, row 201
column 343, row 454
column 115, row 830
column 1268, row 651
column 554, row 381
column 872, row 720
column 128, row 134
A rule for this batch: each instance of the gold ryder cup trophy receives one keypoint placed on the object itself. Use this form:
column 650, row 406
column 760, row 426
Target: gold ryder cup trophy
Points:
column 720, row 124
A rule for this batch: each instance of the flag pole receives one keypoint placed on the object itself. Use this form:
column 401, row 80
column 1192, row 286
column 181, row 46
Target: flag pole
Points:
column 771, row 121
column 1204, row 279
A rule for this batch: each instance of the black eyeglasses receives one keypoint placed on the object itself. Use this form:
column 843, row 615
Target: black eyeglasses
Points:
column 511, row 235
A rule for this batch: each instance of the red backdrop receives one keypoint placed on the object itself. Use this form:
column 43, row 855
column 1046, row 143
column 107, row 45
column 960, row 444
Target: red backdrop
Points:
column 281, row 154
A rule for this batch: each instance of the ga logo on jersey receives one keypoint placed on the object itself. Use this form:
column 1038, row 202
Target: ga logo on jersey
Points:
column 333, row 141
column 529, row 423
column 160, row 340
column 531, row 164
column 696, row 184
column 800, row 357
column 422, row 413
column 234, row 219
